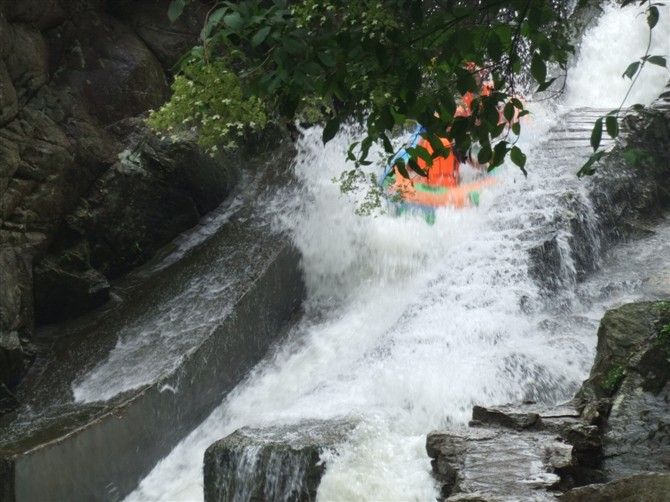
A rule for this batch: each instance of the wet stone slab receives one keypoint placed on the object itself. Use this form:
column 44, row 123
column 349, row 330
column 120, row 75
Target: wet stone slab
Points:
column 510, row 453
column 279, row 463
column 101, row 447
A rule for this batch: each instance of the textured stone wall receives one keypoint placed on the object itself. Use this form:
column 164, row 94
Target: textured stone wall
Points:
column 86, row 193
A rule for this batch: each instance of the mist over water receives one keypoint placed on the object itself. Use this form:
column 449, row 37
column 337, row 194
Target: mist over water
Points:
column 408, row 325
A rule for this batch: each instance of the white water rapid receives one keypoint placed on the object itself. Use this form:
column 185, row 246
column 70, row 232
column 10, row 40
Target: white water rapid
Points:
column 408, row 325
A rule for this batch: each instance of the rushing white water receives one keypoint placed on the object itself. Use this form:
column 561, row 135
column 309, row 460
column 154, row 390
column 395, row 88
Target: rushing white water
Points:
column 619, row 39
column 408, row 325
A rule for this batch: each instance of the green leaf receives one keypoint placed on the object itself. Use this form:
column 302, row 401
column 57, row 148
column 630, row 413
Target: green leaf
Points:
column 401, row 167
column 350, row 152
column 499, row 129
column 657, row 60
column 495, row 47
column 216, row 16
column 382, row 55
column 423, row 153
column 175, row 10
column 508, row 112
column 365, row 147
column 459, row 129
column 538, row 69
column 546, row 85
column 416, row 12
column 388, row 146
column 413, row 79
column 414, row 166
column 652, row 16
column 330, row 130
column 311, row 68
column 631, row 70
column 612, row 126
column 385, row 120
column 465, row 82
column 436, row 144
column 233, row 21
column 499, row 152
column 484, row 155
column 293, row 45
column 289, row 104
column 327, row 59
column 420, row 152
column 260, row 36
column 588, row 169
column 596, row 134
column 516, row 128
column 519, row 158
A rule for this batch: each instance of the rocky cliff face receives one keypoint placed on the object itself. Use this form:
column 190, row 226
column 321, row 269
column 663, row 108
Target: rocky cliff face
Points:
column 86, row 193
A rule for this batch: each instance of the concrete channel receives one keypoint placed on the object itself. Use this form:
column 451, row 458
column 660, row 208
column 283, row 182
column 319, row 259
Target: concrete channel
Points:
column 59, row 449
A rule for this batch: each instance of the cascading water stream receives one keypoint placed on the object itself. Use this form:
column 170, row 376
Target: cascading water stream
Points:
column 407, row 325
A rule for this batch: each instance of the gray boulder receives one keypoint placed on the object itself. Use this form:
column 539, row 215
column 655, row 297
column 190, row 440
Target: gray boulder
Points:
column 281, row 463
column 647, row 487
column 632, row 370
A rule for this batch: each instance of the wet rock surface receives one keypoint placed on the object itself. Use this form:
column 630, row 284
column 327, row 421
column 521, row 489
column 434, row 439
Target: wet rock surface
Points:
column 626, row 191
column 647, row 487
column 281, row 463
column 94, row 418
column 611, row 442
column 632, row 367
column 521, row 453
column 86, row 192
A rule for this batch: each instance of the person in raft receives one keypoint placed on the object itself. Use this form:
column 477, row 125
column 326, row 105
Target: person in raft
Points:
column 444, row 172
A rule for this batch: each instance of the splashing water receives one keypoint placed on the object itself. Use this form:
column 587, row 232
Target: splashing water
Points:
column 605, row 52
column 408, row 325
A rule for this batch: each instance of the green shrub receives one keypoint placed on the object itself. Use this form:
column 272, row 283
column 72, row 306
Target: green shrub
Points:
column 208, row 98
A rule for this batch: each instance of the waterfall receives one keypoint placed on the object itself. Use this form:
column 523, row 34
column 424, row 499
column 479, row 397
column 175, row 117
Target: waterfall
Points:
column 408, row 325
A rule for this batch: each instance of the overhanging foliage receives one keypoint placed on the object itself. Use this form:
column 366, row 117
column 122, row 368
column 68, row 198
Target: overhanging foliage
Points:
column 384, row 62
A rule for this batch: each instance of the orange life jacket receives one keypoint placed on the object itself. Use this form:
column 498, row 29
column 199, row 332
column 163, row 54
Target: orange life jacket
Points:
column 444, row 171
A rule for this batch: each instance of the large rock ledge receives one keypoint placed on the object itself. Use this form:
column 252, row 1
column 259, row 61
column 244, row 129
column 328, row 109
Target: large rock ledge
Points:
column 272, row 463
column 101, row 449
column 614, row 436
column 86, row 192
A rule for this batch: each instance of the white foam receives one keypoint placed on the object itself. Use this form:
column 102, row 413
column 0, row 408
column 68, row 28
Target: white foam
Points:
column 408, row 325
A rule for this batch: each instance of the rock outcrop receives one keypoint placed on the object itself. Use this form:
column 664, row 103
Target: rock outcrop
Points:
column 86, row 191
column 281, row 463
column 631, row 373
column 649, row 487
column 614, row 437
column 630, row 187
column 515, row 453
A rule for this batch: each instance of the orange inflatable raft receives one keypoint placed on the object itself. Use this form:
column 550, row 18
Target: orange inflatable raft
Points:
column 441, row 186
